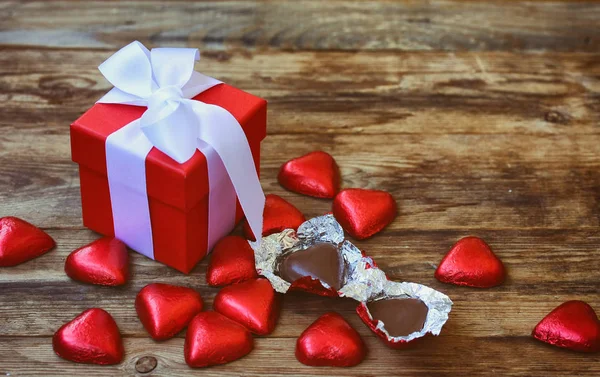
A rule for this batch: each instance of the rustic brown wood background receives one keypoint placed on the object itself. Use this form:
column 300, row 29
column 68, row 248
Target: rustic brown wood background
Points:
column 480, row 118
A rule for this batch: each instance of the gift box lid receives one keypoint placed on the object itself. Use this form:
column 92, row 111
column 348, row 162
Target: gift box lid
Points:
column 179, row 185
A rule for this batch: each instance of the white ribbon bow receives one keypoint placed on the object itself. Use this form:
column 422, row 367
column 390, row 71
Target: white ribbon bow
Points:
column 164, row 80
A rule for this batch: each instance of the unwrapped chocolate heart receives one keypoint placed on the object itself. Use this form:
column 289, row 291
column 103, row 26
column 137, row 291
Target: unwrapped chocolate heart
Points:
column 330, row 341
column 471, row 262
column 231, row 261
column 573, row 325
column 362, row 213
column 102, row 262
column 322, row 262
column 92, row 338
column 278, row 215
column 314, row 174
column 214, row 339
column 20, row 241
column 402, row 314
column 253, row 303
column 165, row 309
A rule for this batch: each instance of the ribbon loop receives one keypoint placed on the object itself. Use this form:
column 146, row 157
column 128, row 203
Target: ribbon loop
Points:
column 173, row 66
column 129, row 69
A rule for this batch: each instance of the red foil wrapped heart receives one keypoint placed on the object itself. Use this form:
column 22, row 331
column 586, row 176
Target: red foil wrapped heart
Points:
column 214, row 339
column 573, row 325
column 165, row 309
column 278, row 215
column 102, row 262
column 231, row 261
column 20, row 241
column 253, row 303
column 330, row 341
column 92, row 338
column 362, row 213
column 314, row 174
column 471, row 263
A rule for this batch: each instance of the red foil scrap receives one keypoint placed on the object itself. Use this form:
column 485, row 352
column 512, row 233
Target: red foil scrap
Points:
column 317, row 259
column 401, row 306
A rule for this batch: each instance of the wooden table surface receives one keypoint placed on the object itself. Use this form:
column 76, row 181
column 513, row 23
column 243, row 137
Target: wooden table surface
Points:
column 481, row 118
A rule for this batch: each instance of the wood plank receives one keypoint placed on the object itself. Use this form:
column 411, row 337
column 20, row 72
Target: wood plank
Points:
column 464, row 182
column 545, row 268
column 512, row 356
column 340, row 25
column 311, row 92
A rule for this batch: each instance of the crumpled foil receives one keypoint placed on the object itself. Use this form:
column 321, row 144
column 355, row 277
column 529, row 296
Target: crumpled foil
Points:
column 361, row 278
column 439, row 306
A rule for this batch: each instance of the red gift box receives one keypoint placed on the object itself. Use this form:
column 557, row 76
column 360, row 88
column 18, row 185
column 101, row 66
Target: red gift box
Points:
column 177, row 193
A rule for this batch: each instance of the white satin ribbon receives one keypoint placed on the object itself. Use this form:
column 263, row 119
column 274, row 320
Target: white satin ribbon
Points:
column 164, row 80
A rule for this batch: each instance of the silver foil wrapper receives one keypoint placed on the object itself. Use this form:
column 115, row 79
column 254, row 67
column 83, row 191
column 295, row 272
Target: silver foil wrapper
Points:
column 439, row 306
column 361, row 279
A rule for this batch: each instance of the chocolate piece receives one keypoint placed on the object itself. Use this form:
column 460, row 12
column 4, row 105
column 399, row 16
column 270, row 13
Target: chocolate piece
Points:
column 321, row 261
column 400, row 316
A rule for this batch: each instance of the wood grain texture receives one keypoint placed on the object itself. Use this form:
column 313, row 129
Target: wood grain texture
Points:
column 440, row 182
column 391, row 92
column 307, row 25
column 443, row 356
column 563, row 265
column 481, row 118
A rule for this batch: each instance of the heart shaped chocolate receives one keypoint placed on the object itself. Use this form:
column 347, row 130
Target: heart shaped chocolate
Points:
column 278, row 215
column 231, row 261
column 102, row 262
column 92, row 338
column 314, row 174
column 253, row 303
column 400, row 316
column 330, row 341
column 573, row 325
column 214, row 339
column 471, row 263
column 321, row 261
column 20, row 241
column 362, row 213
column 165, row 309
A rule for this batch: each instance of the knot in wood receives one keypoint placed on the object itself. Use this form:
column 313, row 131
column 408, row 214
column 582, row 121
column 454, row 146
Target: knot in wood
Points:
column 556, row 117
column 146, row 364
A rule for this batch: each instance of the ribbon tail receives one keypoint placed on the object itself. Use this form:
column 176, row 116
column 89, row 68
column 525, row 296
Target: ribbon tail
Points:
column 126, row 151
column 220, row 130
column 221, row 196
